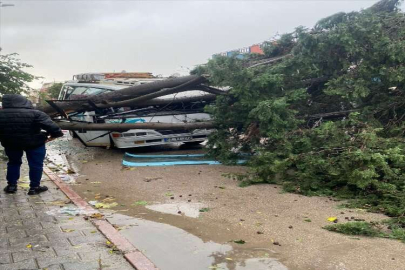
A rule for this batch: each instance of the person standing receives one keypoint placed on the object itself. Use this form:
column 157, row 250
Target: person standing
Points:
column 21, row 130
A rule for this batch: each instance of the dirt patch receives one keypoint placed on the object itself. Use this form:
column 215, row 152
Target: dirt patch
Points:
column 288, row 226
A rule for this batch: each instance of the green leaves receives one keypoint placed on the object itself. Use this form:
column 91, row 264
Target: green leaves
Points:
column 13, row 78
column 288, row 114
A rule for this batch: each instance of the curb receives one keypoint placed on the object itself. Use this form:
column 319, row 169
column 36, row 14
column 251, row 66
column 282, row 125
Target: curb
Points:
column 138, row 260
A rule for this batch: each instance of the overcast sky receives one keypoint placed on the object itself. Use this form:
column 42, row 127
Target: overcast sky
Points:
column 63, row 38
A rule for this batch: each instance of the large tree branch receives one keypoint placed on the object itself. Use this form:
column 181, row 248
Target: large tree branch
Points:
column 123, row 94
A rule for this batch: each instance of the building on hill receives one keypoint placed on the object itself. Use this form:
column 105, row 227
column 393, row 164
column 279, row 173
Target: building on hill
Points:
column 242, row 52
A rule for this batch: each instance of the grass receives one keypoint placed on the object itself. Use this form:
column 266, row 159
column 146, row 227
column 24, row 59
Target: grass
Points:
column 354, row 228
column 368, row 229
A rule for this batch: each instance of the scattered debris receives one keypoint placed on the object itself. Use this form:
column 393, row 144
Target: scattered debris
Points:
column 147, row 179
column 140, row 203
column 332, row 219
column 97, row 216
column 241, row 242
column 99, row 205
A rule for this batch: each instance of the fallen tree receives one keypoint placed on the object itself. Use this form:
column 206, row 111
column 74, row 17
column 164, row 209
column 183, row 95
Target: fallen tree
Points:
column 347, row 73
column 102, row 101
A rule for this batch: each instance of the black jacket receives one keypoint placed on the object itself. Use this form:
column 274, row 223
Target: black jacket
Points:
column 21, row 124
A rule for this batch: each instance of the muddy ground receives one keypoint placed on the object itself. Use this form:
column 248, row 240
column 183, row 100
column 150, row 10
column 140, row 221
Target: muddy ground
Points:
column 284, row 226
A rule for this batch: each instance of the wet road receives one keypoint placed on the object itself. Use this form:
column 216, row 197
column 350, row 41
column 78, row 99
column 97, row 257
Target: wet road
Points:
column 167, row 223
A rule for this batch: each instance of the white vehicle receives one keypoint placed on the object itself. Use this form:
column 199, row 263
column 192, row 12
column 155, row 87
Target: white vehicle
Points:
column 74, row 90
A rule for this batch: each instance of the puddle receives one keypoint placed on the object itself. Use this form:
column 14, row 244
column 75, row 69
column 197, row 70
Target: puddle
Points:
column 181, row 208
column 171, row 248
column 255, row 264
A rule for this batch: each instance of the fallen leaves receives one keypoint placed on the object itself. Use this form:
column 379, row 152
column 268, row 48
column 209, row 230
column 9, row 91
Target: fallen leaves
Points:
column 205, row 209
column 29, row 246
column 105, row 205
column 332, row 219
column 68, row 230
column 140, row 203
column 240, row 242
column 24, row 185
column 97, row 216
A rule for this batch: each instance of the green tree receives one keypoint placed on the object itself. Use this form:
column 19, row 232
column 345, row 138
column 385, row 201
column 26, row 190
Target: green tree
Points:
column 53, row 91
column 328, row 117
column 13, row 78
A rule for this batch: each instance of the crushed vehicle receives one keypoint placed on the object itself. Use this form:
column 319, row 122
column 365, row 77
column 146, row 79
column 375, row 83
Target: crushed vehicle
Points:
column 101, row 108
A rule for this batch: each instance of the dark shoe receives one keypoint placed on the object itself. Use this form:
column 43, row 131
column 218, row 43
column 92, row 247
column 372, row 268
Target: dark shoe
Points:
column 10, row 189
column 37, row 190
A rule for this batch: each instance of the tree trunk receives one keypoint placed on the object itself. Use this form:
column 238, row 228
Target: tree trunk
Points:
column 190, row 85
column 155, row 102
column 126, row 127
column 123, row 94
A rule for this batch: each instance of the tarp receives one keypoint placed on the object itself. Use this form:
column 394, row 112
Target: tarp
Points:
column 131, row 160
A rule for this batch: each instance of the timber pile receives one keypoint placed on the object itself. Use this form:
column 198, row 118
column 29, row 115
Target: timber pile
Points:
column 137, row 97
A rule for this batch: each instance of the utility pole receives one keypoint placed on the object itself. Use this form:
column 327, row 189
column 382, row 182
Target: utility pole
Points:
column 3, row 5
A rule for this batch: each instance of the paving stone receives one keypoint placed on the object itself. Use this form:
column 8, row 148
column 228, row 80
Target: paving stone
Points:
column 14, row 234
column 63, row 235
column 108, row 260
column 91, row 256
column 4, row 243
column 86, row 239
column 59, row 267
column 92, row 231
column 79, row 227
column 121, row 267
column 26, row 265
column 83, row 266
column 48, row 262
column 5, row 258
column 29, row 220
column 25, row 210
column 27, row 240
column 10, row 211
column 18, row 218
column 47, row 225
column 18, row 226
column 29, row 254
column 42, row 231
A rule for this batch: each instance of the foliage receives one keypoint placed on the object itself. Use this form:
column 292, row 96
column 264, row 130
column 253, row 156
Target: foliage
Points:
column 354, row 228
column 328, row 118
column 54, row 90
column 371, row 229
column 13, row 78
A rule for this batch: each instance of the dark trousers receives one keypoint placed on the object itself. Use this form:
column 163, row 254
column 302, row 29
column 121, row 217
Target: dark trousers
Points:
column 35, row 159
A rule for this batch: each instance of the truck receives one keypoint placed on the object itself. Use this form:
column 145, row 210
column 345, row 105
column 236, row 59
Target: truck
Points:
column 164, row 110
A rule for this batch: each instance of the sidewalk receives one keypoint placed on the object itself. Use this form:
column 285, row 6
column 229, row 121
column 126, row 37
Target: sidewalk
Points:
column 36, row 232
